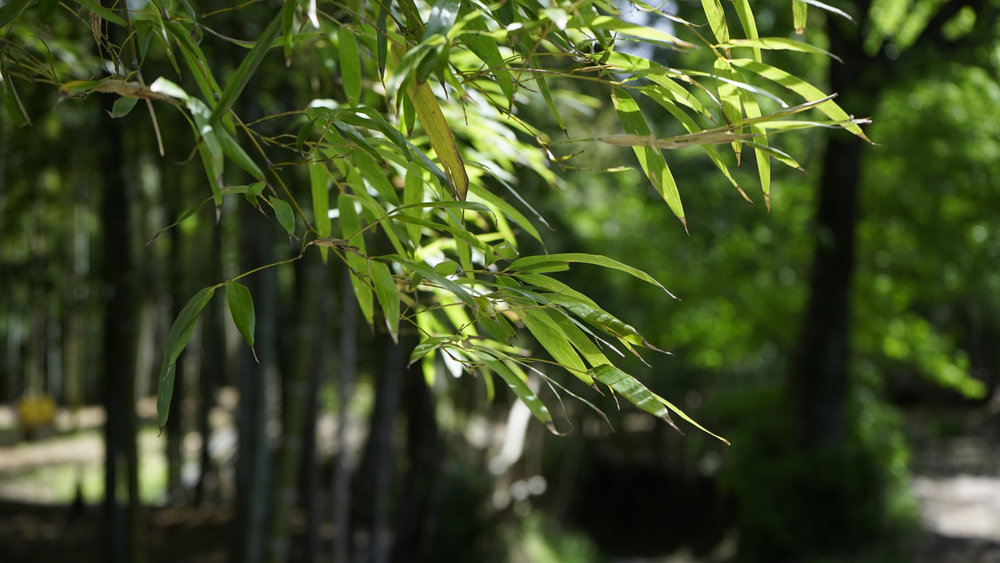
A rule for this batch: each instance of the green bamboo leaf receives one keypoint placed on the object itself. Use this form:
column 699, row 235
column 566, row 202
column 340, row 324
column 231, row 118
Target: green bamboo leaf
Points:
column 555, row 342
column 242, row 311
column 637, row 393
column 12, row 102
column 104, row 13
column 253, row 192
column 429, row 274
column 799, row 14
column 630, row 388
column 488, row 51
column 517, row 382
column 350, row 64
column 350, row 225
column 413, row 193
column 122, row 107
column 535, row 263
column 442, row 17
column 180, row 334
column 666, row 100
column 829, row 8
column 804, row 89
column 729, row 95
column 374, row 175
column 382, row 40
column 584, row 346
column 235, row 152
column 763, row 158
column 283, row 213
column 320, row 187
column 778, row 44
column 388, row 296
column 745, row 13
column 650, row 158
column 12, row 9
column 605, row 23
column 238, row 81
column 716, row 19
column 543, row 88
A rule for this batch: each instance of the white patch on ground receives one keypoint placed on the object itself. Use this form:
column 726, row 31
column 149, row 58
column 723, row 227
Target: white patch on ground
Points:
column 962, row 506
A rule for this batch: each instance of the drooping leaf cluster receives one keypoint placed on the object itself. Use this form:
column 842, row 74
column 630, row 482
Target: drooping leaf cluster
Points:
column 411, row 158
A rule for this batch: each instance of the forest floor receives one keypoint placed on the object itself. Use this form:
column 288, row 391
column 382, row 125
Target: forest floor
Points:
column 956, row 483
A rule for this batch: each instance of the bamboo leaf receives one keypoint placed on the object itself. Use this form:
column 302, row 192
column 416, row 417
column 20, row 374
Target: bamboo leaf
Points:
column 235, row 152
column 388, row 296
column 350, row 225
column 518, row 384
column 283, row 213
column 804, row 89
column 716, row 19
column 437, row 129
column 241, row 309
column 238, row 81
column 650, row 158
column 122, row 107
column 12, row 9
column 637, row 393
column 634, row 391
column 778, row 44
column 374, row 175
column 350, row 64
column 745, row 13
column 104, row 13
column 320, row 188
column 180, row 334
column 534, row 263
column 799, row 14
column 555, row 342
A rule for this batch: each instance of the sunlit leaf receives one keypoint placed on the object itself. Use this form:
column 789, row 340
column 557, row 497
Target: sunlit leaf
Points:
column 799, row 14
column 650, row 158
column 533, row 264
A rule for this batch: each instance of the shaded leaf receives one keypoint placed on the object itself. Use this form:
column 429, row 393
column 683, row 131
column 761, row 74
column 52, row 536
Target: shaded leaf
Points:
column 242, row 311
column 388, row 296
column 180, row 334
column 283, row 213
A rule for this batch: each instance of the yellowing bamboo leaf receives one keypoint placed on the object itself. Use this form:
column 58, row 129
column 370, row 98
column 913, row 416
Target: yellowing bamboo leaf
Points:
column 432, row 119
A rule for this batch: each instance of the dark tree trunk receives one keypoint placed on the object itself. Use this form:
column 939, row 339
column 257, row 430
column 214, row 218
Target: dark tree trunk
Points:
column 253, row 468
column 342, row 541
column 122, row 538
column 416, row 520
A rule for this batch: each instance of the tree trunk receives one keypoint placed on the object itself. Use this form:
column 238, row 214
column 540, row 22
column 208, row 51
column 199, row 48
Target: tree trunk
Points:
column 342, row 540
column 122, row 544
column 253, row 468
